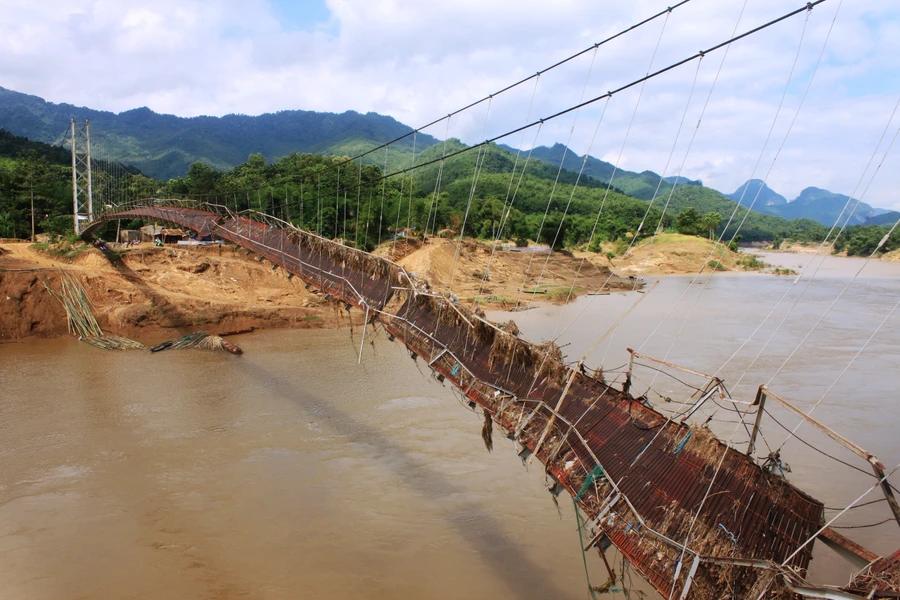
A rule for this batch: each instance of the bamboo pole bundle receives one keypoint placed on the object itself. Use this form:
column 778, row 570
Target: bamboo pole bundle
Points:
column 197, row 340
column 80, row 315
column 113, row 342
column 78, row 307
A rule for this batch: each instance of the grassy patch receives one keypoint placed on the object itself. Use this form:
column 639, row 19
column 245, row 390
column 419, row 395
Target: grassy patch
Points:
column 716, row 266
column 558, row 293
column 61, row 249
column 751, row 261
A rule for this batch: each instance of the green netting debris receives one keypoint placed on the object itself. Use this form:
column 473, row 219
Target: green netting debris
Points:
column 594, row 475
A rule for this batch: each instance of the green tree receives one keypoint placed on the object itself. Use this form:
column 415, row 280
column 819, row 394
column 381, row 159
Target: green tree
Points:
column 711, row 222
column 689, row 222
column 554, row 232
column 202, row 178
column 59, row 225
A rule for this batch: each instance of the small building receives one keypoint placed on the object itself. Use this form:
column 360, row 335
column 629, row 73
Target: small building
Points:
column 150, row 232
column 157, row 233
column 129, row 236
column 172, row 236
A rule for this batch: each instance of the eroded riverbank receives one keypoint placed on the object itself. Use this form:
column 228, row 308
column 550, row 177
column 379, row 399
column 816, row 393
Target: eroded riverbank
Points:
column 157, row 292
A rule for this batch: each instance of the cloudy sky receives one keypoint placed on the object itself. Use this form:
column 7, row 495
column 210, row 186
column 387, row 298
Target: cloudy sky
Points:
column 418, row 60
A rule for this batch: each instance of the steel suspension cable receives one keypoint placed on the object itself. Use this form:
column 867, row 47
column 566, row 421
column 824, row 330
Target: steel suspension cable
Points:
column 462, row 229
column 358, row 194
column 509, row 87
column 510, row 198
column 671, row 153
column 435, row 198
column 640, row 227
column 759, row 190
column 809, row 281
column 736, row 208
column 700, row 54
column 819, row 249
column 842, row 292
column 383, row 191
column 562, row 161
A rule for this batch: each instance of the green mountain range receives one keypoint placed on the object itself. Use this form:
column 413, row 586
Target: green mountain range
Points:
column 643, row 186
column 164, row 146
column 885, row 219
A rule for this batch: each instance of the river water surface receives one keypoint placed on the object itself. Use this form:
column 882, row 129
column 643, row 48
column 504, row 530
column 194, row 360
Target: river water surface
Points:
column 293, row 472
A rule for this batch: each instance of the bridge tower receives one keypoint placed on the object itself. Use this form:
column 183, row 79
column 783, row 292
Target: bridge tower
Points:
column 82, row 192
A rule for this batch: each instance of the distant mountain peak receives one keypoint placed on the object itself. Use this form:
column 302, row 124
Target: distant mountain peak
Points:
column 756, row 189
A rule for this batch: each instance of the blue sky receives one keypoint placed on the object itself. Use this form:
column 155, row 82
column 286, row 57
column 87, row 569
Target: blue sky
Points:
column 302, row 15
column 416, row 60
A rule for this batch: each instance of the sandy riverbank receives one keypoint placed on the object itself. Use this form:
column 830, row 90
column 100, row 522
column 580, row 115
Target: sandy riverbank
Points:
column 677, row 254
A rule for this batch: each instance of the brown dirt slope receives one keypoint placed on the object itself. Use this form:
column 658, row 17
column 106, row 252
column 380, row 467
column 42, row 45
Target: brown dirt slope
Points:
column 157, row 291
column 509, row 272
column 674, row 253
column 891, row 256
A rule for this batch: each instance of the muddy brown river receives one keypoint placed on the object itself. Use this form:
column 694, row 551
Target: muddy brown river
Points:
column 293, row 472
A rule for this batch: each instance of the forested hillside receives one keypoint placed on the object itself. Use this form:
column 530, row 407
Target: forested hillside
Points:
column 353, row 202
column 486, row 191
column 521, row 201
column 36, row 186
column 643, row 186
column 32, row 175
column 165, row 147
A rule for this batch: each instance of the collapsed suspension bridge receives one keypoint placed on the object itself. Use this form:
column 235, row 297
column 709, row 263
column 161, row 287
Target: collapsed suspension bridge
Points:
column 695, row 517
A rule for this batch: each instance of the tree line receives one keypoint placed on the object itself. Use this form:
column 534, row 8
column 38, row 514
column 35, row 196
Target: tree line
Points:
column 485, row 193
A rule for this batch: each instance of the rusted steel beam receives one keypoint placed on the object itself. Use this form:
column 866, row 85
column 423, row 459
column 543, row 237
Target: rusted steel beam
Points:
column 635, row 354
column 760, row 403
column 877, row 465
column 864, row 454
column 847, row 548
column 888, row 492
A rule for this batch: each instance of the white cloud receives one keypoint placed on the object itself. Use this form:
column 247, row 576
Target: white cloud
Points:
column 419, row 60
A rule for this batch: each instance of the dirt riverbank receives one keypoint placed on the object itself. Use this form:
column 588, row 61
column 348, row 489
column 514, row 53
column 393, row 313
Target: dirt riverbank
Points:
column 677, row 254
column 154, row 293
column 504, row 278
column 157, row 293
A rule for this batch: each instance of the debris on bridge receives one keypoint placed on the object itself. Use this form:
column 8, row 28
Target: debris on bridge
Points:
column 882, row 576
column 696, row 518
